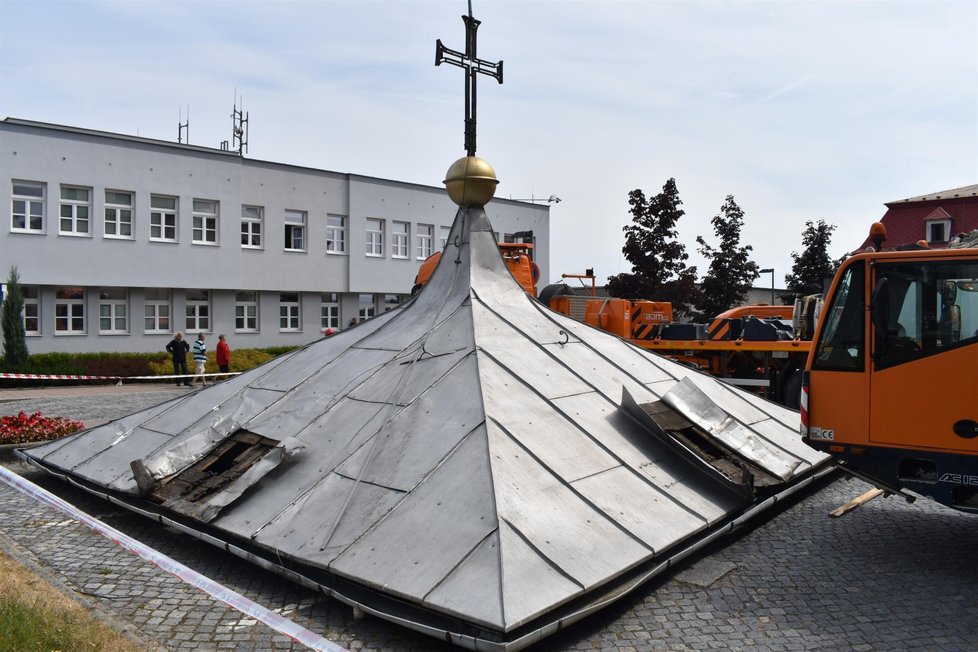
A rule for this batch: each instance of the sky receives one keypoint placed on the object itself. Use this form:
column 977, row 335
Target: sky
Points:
column 800, row 110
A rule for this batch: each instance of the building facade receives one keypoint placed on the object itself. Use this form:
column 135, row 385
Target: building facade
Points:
column 119, row 241
column 934, row 218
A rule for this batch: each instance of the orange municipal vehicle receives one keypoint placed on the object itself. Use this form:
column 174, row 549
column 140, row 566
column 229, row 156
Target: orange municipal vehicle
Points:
column 762, row 347
column 891, row 383
column 518, row 257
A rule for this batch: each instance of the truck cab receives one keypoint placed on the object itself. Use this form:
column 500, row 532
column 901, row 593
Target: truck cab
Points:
column 891, row 383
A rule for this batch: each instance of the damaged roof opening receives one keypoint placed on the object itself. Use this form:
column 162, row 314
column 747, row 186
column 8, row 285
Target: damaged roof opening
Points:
column 228, row 468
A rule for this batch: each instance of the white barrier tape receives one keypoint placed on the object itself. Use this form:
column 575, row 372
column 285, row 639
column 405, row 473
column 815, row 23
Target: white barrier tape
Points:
column 276, row 621
column 119, row 378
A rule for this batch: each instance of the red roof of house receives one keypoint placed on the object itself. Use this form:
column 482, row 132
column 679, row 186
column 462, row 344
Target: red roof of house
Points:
column 907, row 220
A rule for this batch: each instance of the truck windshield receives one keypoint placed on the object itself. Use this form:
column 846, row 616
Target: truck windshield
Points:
column 933, row 307
column 841, row 344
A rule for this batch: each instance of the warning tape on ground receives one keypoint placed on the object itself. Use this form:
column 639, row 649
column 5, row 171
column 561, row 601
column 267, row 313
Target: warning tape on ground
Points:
column 116, row 378
column 274, row 620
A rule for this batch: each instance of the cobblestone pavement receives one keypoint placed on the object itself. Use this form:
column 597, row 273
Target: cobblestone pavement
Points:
column 889, row 576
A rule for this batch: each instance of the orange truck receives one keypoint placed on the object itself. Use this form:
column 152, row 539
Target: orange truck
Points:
column 890, row 387
column 763, row 348
column 518, row 257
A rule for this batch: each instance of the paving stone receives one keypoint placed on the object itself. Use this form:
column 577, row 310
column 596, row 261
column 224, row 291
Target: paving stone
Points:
column 888, row 576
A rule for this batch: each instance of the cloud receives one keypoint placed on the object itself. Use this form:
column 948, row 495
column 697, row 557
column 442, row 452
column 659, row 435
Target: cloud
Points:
column 800, row 110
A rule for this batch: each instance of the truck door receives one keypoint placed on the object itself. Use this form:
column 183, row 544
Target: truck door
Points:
column 838, row 390
column 924, row 372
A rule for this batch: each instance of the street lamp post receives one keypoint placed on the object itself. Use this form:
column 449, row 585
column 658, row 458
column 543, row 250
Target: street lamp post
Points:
column 771, row 271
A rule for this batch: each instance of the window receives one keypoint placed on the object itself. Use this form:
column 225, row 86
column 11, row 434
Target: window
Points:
column 198, row 311
column 27, row 207
column 400, row 234
column 75, row 207
column 938, row 230
column 32, row 309
column 69, row 311
column 246, row 312
column 163, row 218
column 391, row 301
column 375, row 237
column 113, row 313
column 841, row 345
column 205, row 222
column 335, row 234
column 251, row 220
column 330, row 311
column 156, row 303
column 295, row 231
column 923, row 308
column 368, row 308
column 288, row 312
column 424, row 235
column 445, row 230
column 118, row 214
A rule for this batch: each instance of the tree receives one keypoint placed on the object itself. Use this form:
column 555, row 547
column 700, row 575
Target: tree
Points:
column 813, row 265
column 659, row 270
column 14, row 339
column 731, row 273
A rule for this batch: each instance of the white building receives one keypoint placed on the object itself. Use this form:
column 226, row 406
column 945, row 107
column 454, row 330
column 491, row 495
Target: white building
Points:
column 121, row 240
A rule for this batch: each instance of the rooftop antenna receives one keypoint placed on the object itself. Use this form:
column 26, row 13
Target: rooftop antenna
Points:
column 239, row 126
column 471, row 65
column 552, row 199
column 181, row 126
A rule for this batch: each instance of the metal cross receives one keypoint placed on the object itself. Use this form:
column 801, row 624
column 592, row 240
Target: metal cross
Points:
column 472, row 65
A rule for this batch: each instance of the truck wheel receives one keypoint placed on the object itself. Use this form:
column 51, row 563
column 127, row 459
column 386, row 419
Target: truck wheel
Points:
column 792, row 390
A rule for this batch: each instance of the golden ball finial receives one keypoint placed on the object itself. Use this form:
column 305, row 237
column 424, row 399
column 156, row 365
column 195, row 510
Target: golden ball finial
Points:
column 471, row 181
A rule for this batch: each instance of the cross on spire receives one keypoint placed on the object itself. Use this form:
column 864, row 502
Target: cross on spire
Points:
column 472, row 65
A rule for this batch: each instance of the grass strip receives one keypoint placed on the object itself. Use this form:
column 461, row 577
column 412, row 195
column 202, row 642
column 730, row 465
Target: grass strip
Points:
column 36, row 617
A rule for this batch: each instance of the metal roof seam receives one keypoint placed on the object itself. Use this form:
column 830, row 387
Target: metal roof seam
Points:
column 644, row 478
column 460, row 562
column 540, row 553
column 373, row 526
column 569, row 484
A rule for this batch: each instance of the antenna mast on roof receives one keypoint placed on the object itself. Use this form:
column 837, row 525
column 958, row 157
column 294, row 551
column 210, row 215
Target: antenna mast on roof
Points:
column 239, row 126
column 181, row 126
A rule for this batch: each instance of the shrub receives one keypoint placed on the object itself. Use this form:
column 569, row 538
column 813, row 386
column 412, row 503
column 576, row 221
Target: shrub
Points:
column 241, row 360
column 128, row 364
column 14, row 339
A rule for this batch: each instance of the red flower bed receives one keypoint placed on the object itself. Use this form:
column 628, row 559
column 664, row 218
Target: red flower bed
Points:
column 34, row 427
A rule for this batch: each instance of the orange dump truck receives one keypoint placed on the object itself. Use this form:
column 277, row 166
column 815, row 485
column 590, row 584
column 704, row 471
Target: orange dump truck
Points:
column 891, row 383
column 758, row 347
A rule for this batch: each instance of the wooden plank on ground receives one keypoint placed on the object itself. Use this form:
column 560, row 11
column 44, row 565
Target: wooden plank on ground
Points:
column 856, row 502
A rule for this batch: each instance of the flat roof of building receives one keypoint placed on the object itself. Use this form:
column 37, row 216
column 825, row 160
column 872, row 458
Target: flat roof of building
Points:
column 200, row 149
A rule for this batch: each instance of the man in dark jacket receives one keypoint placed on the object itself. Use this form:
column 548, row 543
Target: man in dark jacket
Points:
column 178, row 348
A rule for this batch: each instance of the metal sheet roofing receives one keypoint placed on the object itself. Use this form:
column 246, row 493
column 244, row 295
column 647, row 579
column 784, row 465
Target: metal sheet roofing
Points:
column 465, row 457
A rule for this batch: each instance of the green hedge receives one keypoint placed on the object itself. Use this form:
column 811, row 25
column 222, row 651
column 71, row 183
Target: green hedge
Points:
column 126, row 364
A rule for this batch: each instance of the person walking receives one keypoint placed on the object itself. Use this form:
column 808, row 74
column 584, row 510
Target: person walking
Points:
column 178, row 349
column 200, row 360
column 223, row 354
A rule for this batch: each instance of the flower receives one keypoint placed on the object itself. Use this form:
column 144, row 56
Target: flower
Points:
column 24, row 428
